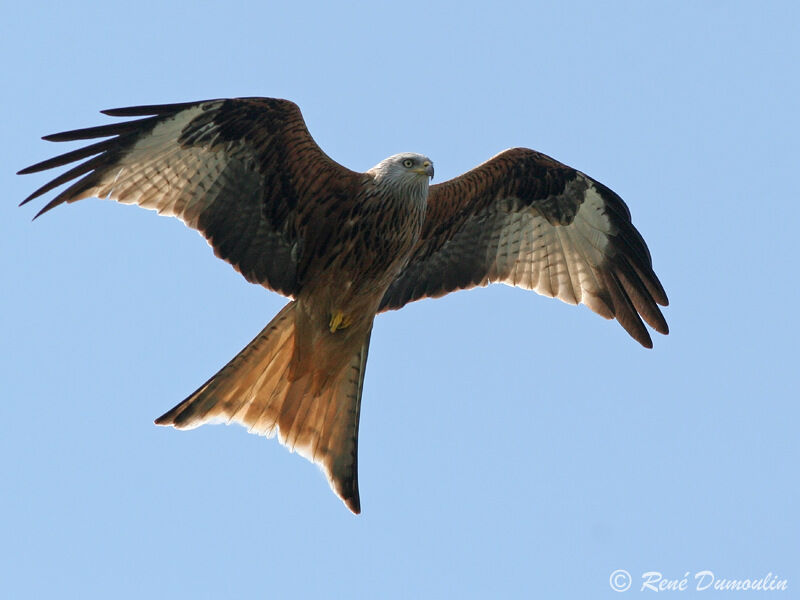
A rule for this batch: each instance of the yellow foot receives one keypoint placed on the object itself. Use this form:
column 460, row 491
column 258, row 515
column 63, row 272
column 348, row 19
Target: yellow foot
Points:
column 338, row 321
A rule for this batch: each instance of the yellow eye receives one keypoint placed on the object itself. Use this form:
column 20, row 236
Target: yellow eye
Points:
column 408, row 163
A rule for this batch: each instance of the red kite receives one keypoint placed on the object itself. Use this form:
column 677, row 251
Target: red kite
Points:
column 345, row 246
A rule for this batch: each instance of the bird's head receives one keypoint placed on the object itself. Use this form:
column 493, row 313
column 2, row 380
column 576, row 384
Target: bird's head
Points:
column 404, row 169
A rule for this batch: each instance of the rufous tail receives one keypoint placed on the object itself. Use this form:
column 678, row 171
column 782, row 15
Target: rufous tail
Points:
column 254, row 390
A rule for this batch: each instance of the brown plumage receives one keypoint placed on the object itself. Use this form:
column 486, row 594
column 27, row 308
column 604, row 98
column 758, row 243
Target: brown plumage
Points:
column 344, row 245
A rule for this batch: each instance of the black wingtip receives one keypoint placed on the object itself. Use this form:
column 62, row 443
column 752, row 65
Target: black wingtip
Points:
column 127, row 112
column 147, row 110
column 56, row 137
column 133, row 111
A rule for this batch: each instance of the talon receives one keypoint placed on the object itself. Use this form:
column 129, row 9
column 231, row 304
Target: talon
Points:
column 338, row 321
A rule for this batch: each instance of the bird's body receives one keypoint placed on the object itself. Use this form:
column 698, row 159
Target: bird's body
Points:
column 346, row 246
column 382, row 223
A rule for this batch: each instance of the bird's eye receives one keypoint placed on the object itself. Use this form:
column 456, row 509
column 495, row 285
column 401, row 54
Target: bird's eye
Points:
column 408, row 163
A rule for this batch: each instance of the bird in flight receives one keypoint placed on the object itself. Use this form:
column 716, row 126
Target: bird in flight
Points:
column 345, row 246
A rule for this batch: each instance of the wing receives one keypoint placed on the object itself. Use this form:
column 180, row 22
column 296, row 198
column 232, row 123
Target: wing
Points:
column 244, row 172
column 527, row 220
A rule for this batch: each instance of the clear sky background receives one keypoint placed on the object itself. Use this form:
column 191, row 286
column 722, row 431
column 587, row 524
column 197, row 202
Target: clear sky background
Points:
column 511, row 445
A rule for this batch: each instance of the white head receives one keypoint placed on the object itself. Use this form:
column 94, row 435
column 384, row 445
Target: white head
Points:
column 405, row 170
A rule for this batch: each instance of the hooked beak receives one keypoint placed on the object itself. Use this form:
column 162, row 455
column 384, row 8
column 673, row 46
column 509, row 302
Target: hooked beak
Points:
column 426, row 169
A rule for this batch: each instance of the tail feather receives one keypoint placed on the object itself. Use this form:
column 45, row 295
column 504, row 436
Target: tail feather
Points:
column 319, row 422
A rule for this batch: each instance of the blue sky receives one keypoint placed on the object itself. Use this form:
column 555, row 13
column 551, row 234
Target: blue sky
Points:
column 511, row 445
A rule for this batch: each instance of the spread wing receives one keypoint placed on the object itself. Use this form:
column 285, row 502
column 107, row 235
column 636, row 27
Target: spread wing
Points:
column 527, row 220
column 244, row 172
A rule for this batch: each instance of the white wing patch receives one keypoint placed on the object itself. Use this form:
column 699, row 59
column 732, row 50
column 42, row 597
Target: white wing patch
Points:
column 159, row 174
column 559, row 261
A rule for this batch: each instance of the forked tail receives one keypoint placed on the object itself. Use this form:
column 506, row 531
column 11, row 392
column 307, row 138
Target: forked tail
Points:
column 254, row 390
